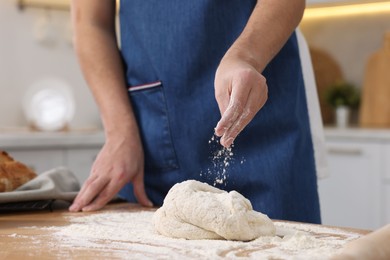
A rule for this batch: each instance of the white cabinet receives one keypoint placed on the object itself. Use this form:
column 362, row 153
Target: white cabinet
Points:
column 351, row 195
column 386, row 209
column 386, row 181
column 357, row 192
column 386, row 165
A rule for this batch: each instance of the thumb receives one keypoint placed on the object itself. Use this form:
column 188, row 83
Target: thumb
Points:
column 223, row 100
column 222, row 91
column 139, row 191
column 223, row 97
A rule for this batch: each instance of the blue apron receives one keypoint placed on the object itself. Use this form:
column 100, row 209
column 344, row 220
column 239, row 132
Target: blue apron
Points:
column 171, row 50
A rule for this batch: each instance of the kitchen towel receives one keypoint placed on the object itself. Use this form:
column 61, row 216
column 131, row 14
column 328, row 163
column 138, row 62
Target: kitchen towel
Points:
column 55, row 184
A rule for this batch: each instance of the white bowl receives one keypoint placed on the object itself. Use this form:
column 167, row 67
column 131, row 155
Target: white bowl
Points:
column 49, row 104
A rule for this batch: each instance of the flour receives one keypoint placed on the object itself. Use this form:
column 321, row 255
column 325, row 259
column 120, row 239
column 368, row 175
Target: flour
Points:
column 221, row 159
column 130, row 235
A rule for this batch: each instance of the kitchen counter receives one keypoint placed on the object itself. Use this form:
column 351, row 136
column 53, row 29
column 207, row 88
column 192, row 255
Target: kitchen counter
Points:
column 65, row 235
column 24, row 138
column 75, row 149
column 356, row 133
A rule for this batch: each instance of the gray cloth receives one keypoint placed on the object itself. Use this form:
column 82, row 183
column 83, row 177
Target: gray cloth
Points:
column 58, row 183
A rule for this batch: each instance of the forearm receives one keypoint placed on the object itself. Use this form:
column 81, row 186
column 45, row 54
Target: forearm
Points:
column 100, row 61
column 267, row 30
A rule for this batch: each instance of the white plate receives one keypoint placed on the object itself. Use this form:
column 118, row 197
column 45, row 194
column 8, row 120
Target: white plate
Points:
column 49, row 104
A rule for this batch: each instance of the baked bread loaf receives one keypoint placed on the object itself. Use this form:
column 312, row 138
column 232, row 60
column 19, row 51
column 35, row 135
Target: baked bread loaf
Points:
column 4, row 157
column 13, row 173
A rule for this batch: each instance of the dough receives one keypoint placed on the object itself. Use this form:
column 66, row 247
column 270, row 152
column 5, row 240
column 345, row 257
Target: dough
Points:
column 196, row 210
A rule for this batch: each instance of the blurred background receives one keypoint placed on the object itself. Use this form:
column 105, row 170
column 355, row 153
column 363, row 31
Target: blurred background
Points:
column 349, row 43
column 36, row 43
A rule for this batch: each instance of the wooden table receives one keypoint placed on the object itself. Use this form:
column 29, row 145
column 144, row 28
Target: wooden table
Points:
column 26, row 236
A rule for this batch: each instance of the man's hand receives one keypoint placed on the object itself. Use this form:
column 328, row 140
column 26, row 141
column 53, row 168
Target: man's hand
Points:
column 119, row 162
column 241, row 91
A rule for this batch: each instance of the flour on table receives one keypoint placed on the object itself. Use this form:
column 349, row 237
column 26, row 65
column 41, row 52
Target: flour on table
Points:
column 131, row 235
column 196, row 210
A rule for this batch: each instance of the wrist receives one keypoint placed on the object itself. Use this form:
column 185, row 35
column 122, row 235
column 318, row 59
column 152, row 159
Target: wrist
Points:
column 121, row 127
column 243, row 53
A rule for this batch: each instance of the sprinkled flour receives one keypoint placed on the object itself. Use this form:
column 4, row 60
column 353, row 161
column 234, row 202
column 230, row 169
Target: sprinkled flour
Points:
column 124, row 235
column 221, row 159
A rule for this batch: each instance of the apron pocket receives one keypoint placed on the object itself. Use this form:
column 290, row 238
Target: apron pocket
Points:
column 149, row 105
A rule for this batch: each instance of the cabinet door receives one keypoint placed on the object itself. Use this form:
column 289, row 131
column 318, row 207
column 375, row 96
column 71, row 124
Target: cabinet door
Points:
column 39, row 160
column 80, row 161
column 386, row 184
column 386, row 205
column 351, row 195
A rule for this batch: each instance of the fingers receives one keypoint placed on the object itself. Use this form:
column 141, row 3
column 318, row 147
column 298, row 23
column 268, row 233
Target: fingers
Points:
column 236, row 103
column 113, row 188
column 248, row 113
column 88, row 192
column 249, row 94
column 230, row 135
column 105, row 195
column 96, row 193
column 232, row 113
column 111, row 170
column 139, row 191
